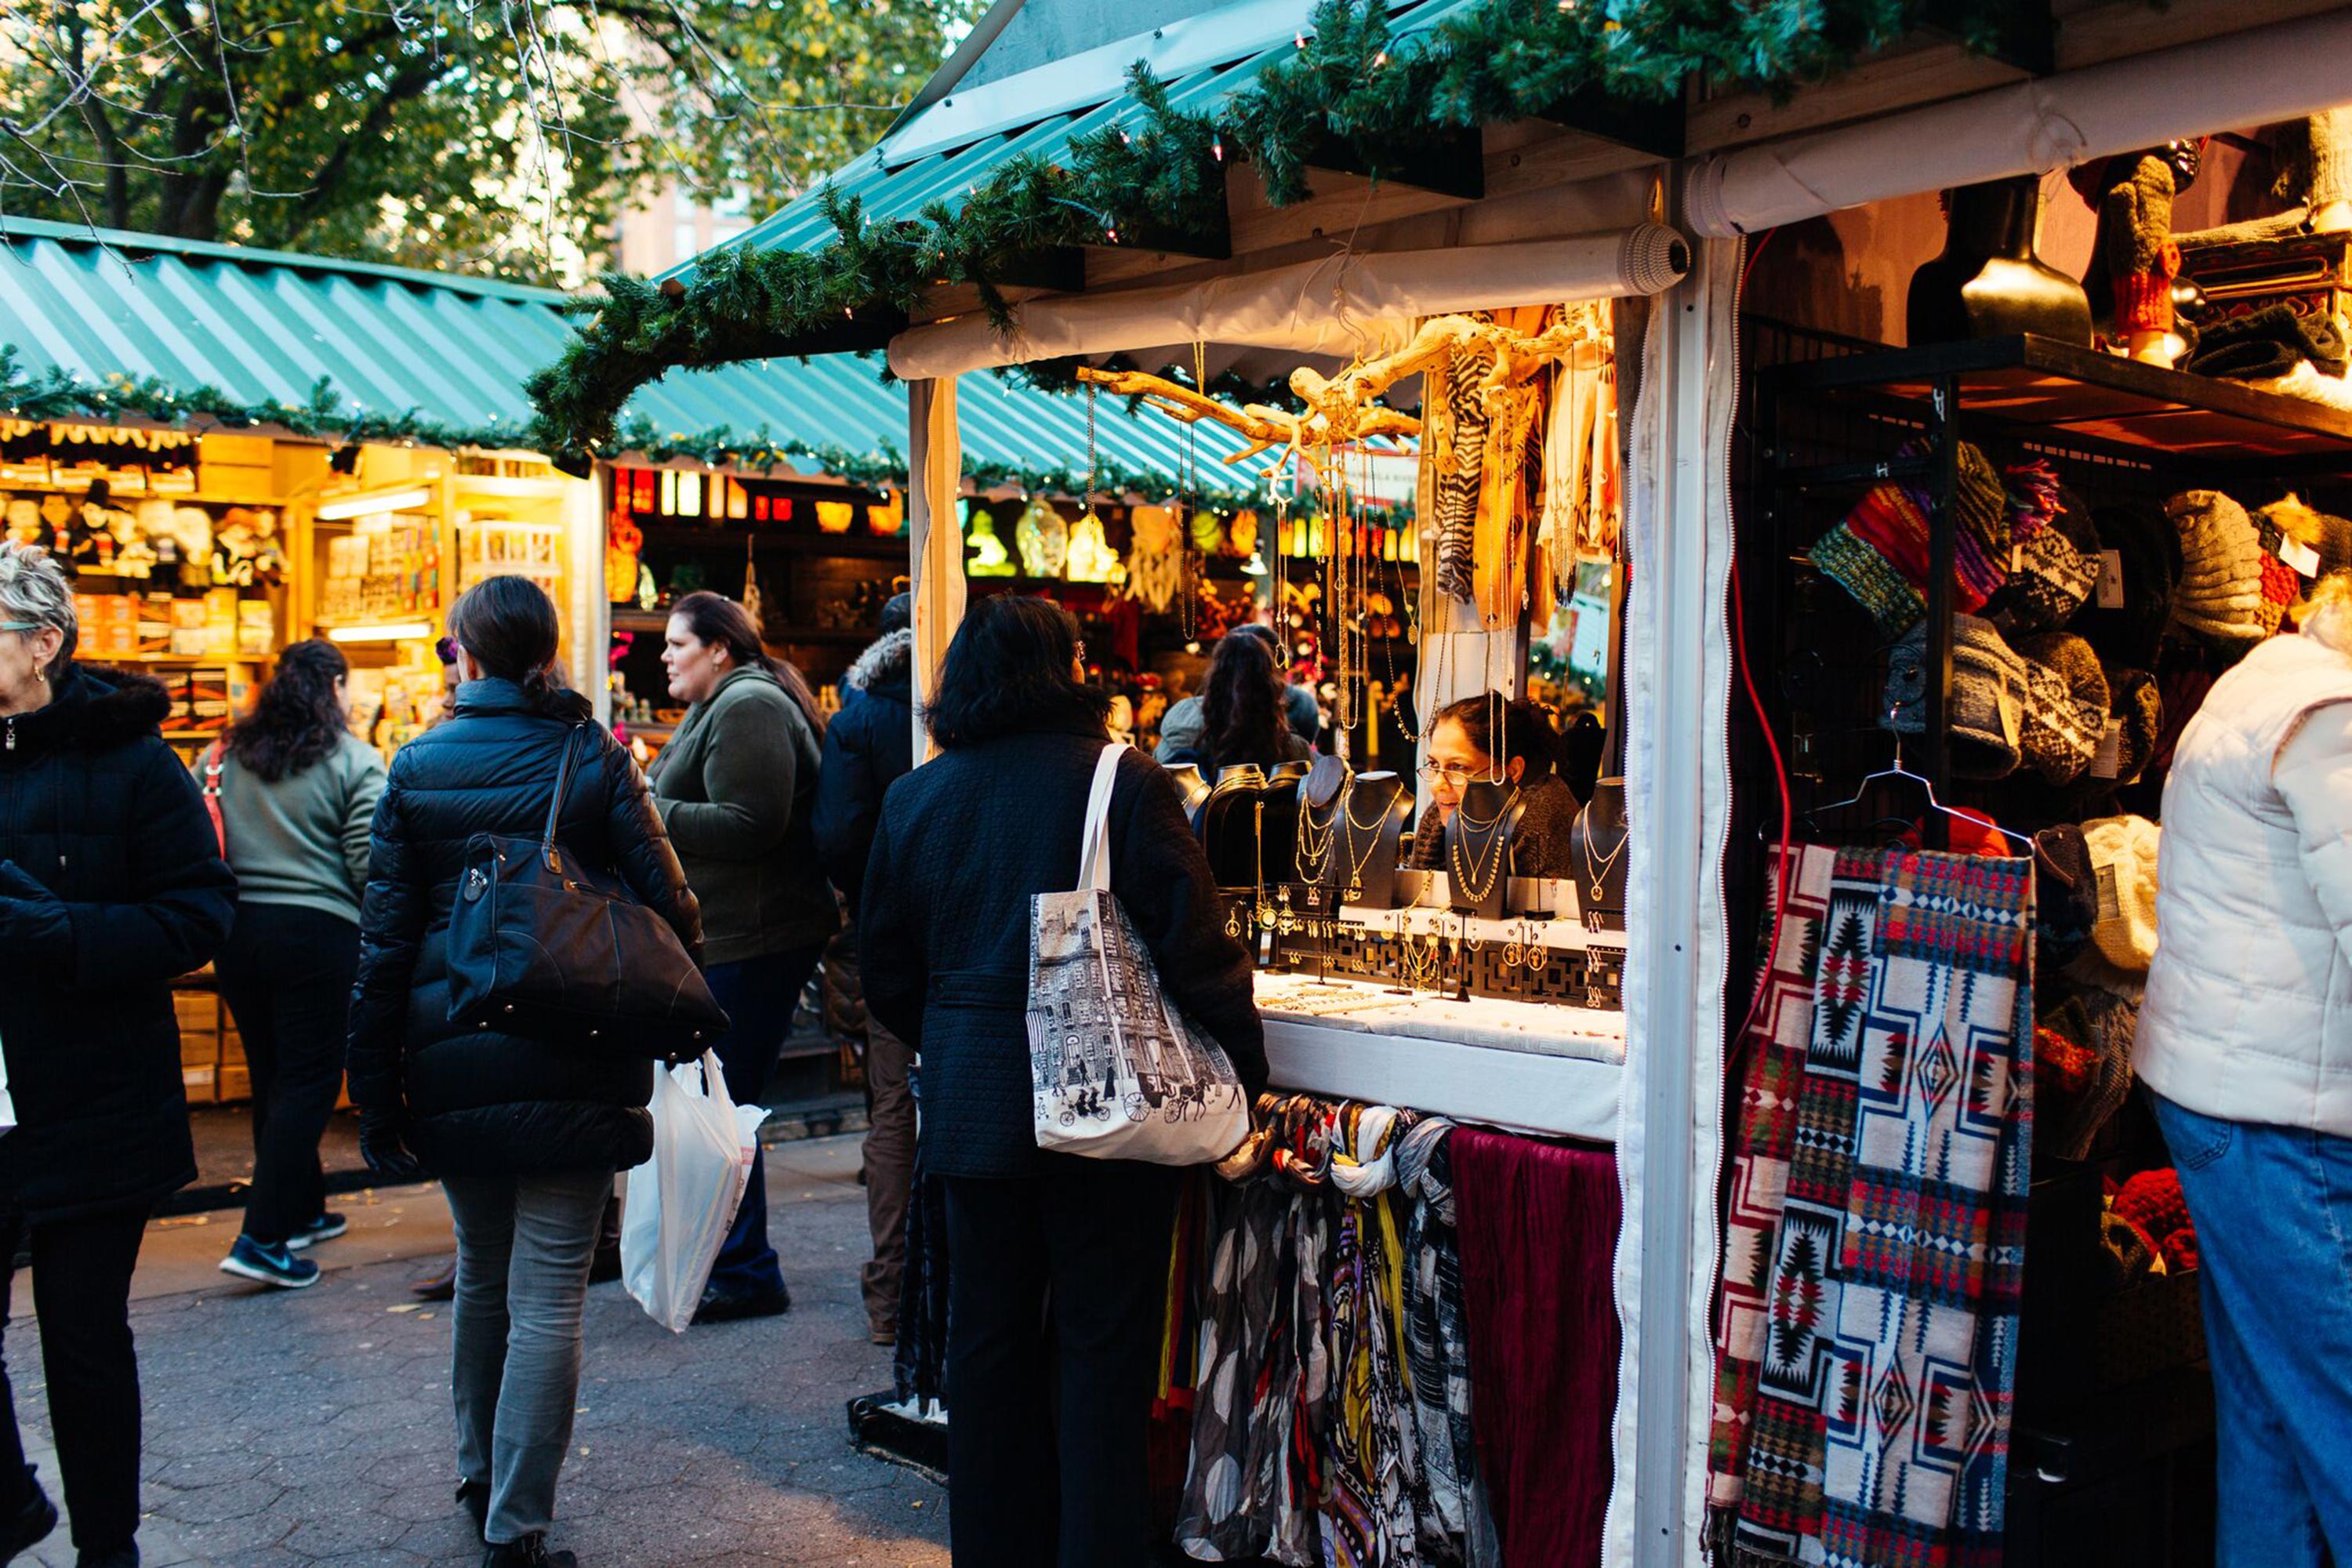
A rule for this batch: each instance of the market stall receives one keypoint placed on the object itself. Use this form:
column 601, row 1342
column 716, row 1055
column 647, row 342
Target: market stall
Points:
column 1612, row 1042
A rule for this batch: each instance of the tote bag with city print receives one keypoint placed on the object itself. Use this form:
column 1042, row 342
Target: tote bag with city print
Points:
column 1116, row 1071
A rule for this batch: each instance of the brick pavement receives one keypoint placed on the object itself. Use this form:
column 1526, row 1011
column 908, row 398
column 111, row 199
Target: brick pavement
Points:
column 314, row 1427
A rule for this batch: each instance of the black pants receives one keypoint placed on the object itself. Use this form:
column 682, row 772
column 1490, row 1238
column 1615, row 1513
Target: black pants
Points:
column 1050, row 1413
column 287, row 976
column 82, row 1292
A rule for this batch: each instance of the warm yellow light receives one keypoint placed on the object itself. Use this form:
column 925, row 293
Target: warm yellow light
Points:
column 393, row 631
column 344, row 507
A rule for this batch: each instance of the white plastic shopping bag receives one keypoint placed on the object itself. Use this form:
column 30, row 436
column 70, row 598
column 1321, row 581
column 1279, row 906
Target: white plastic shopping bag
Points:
column 681, row 1203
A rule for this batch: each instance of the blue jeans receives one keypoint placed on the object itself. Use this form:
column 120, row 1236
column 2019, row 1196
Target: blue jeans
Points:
column 760, row 994
column 2272, row 1207
column 523, row 1248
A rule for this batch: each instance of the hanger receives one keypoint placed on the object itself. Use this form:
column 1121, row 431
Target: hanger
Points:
column 1896, row 770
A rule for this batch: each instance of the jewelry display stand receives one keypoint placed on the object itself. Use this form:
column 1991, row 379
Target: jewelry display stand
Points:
column 1478, row 848
column 1191, row 788
column 1227, row 825
column 1276, row 844
column 1596, row 855
column 1349, row 851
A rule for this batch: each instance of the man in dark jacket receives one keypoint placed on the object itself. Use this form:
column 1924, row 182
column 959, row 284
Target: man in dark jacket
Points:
column 870, row 745
column 111, row 884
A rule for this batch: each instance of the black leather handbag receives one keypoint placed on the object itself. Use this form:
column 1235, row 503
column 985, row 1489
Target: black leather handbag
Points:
column 563, row 952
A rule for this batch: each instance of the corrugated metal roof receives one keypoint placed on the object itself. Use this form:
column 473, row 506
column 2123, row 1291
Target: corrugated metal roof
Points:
column 954, row 144
column 264, row 326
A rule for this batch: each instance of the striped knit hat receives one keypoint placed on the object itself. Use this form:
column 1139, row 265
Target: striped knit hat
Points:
column 1880, row 552
column 2220, row 594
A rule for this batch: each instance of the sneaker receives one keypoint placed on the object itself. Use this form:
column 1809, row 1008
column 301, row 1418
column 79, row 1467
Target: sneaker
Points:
column 30, row 1523
column 326, row 1227
column 273, row 1266
column 441, row 1287
column 719, row 1306
column 531, row 1551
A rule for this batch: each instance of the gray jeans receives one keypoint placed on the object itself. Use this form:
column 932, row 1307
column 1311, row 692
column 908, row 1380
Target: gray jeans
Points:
column 523, row 1248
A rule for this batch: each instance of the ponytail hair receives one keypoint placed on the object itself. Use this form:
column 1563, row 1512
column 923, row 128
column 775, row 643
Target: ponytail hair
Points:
column 510, row 627
column 716, row 619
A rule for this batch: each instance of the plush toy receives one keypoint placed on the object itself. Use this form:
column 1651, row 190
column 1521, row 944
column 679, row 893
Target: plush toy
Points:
column 24, row 521
column 237, row 547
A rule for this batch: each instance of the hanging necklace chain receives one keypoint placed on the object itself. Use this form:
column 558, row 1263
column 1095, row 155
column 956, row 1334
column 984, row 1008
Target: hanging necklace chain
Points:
column 1091, row 390
column 1475, row 881
column 1596, row 874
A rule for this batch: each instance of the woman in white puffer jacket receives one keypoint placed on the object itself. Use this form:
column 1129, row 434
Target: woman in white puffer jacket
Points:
column 2246, row 1039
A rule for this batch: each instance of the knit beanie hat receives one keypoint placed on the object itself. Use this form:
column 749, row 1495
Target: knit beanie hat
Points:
column 2153, row 1201
column 1986, row 712
column 2131, row 1254
column 2057, row 567
column 2146, row 545
column 2136, row 704
column 2220, row 594
column 2065, row 705
column 2328, row 538
column 1880, row 552
column 2123, row 858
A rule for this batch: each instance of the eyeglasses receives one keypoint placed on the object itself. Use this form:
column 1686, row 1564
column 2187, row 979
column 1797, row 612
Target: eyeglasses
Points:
column 1447, row 772
column 20, row 625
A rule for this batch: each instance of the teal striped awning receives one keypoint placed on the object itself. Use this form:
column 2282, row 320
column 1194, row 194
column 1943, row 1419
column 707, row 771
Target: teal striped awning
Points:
column 269, row 327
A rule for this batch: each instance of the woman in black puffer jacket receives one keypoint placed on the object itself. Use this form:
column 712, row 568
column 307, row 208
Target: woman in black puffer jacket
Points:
column 525, row 1132
column 111, row 884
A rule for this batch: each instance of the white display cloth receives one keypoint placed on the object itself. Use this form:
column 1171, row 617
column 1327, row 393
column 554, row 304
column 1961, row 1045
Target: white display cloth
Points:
column 1341, row 306
column 935, row 536
column 2283, row 71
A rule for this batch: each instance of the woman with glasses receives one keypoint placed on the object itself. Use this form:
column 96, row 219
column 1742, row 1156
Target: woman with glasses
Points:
column 1491, row 739
column 110, row 885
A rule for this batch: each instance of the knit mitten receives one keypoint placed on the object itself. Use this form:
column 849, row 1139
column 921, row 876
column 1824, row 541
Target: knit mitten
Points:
column 2135, row 232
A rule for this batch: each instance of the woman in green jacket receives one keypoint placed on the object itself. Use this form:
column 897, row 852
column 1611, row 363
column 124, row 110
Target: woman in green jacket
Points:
column 734, row 787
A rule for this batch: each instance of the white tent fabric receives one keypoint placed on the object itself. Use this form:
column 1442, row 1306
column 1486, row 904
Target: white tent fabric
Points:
column 1677, row 660
column 2255, row 78
column 1341, row 306
column 935, row 537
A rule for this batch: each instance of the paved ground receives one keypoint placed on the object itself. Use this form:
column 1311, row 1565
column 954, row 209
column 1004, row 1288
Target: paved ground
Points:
column 314, row 1426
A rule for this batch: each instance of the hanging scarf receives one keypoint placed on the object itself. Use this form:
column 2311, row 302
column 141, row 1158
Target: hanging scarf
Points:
column 1780, row 1498
column 1769, row 1066
column 1453, row 1533
column 1458, row 431
column 1925, row 1359
column 1373, row 1454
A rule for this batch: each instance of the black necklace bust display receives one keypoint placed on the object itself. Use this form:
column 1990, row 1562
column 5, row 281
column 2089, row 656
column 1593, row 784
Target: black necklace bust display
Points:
column 1228, row 825
column 1348, row 850
column 1988, row 283
column 1478, row 848
column 1191, row 788
column 1597, row 853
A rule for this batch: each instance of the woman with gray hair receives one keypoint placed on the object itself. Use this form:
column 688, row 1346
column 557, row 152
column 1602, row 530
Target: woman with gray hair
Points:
column 111, row 884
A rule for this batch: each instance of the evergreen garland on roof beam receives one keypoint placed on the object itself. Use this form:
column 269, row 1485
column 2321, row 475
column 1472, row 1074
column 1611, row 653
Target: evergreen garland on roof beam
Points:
column 1354, row 82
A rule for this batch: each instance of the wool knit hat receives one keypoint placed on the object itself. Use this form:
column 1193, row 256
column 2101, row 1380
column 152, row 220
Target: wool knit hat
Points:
column 2147, row 549
column 2065, row 705
column 2220, row 594
column 2123, row 858
column 2153, row 1201
column 2057, row 567
column 2134, row 702
column 1987, row 713
column 2329, row 537
column 1880, row 552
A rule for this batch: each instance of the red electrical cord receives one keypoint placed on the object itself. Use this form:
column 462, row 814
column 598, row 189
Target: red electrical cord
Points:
column 1780, row 777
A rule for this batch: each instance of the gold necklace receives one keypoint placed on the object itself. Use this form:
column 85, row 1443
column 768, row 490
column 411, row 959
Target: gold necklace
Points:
column 1598, row 875
column 1477, row 884
column 1313, row 844
column 1374, row 828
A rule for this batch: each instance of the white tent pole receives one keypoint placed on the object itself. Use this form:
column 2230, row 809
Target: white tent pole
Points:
column 2265, row 74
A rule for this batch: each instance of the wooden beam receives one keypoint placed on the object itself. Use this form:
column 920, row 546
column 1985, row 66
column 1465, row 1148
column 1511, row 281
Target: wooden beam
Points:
column 1655, row 129
column 2018, row 33
column 1450, row 163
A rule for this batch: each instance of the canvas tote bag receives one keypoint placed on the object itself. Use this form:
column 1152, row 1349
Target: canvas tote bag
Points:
column 1117, row 1072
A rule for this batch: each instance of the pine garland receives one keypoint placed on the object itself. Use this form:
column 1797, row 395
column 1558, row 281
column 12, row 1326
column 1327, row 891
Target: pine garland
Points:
column 1353, row 81
column 55, row 395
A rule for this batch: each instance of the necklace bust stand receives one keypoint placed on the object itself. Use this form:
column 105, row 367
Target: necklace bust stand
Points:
column 1478, row 848
column 1597, row 857
column 1226, row 824
column 1350, row 852
column 1279, row 846
column 1191, row 788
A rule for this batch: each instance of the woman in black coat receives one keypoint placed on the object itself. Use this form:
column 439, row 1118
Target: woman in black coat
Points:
column 965, row 840
column 526, row 1132
column 111, row 884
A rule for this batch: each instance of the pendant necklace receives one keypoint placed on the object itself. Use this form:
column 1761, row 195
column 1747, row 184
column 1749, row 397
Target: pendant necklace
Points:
column 1475, row 881
column 1598, row 874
